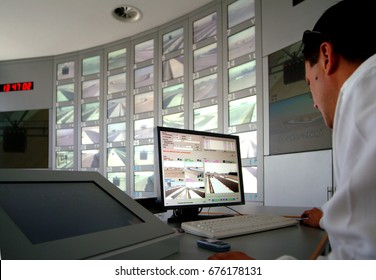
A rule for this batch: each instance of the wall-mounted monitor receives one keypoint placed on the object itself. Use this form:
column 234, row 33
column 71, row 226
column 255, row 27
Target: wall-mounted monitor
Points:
column 205, row 87
column 116, row 132
column 116, row 157
column 90, row 158
column 242, row 110
column 90, row 111
column 144, row 102
column 144, row 51
column 144, row 76
column 198, row 169
column 241, row 43
column 65, row 93
column 173, row 41
column 65, row 137
column 143, row 128
column 65, row 160
column 65, row 70
column 116, row 83
column 117, row 59
column 90, row 135
column 173, row 68
column 91, row 65
column 116, row 107
column 242, row 76
column 174, row 120
column 144, row 181
column 205, row 57
column 118, row 179
column 240, row 11
column 64, row 114
column 206, row 118
column 205, row 27
column 173, row 96
column 90, row 88
column 144, row 155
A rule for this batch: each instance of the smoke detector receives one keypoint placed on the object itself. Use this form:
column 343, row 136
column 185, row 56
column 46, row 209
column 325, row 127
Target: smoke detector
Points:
column 127, row 13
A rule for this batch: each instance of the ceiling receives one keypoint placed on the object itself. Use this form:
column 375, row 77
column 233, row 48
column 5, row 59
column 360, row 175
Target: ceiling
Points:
column 37, row 28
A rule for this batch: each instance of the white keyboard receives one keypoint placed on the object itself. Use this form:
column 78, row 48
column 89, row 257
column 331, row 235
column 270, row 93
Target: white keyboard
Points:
column 236, row 225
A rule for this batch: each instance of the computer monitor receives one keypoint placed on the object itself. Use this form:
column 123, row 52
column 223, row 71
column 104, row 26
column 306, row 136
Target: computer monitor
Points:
column 198, row 169
column 46, row 214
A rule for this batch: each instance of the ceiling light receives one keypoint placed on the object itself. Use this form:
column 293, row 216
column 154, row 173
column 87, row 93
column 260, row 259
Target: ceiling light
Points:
column 127, row 13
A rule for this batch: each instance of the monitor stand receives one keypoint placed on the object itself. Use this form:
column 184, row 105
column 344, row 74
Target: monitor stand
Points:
column 192, row 214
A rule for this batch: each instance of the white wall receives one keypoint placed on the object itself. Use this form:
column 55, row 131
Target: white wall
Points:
column 299, row 179
column 40, row 71
column 283, row 24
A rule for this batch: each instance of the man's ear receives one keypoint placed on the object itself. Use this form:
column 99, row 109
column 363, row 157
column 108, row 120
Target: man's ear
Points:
column 329, row 58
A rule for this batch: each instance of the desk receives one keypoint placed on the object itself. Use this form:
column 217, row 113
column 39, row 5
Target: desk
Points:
column 299, row 241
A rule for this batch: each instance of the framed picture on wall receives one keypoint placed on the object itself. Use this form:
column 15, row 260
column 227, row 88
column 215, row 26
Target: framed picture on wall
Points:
column 294, row 124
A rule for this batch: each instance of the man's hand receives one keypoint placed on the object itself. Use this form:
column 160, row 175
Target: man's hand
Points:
column 313, row 216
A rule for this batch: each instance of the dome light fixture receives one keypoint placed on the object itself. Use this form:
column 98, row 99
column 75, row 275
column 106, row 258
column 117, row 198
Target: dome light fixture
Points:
column 127, row 13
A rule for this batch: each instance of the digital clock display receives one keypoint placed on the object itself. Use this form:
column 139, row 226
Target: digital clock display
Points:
column 21, row 86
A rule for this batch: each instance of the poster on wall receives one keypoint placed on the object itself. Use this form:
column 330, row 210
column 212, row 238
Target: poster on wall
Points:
column 294, row 124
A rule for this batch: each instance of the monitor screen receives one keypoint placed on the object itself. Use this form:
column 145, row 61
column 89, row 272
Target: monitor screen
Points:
column 199, row 169
column 68, row 209
column 49, row 214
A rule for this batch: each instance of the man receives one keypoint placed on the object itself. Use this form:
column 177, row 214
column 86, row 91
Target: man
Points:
column 340, row 65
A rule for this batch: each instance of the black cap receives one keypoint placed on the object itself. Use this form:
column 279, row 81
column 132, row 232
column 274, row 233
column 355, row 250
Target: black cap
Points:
column 349, row 25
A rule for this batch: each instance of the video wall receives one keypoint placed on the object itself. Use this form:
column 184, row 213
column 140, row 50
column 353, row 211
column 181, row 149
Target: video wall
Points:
column 199, row 73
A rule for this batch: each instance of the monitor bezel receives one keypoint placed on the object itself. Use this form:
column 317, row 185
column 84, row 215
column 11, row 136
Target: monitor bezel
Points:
column 15, row 245
column 161, row 198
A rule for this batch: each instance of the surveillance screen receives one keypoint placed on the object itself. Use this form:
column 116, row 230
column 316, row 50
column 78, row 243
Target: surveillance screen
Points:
column 116, row 83
column 144, row 155
column 116, row 157
column 205, row 28
column 173, row 41
column 117, row 59
column 65, row 160
column 116, row 132
column 173, row 96
column 90, row 88
column 174, row 120
column 65, row 93
column 242, row 110
column 205, row 87
column 206, row 118
column 65, row 137
column 241, row 43
column 144, row 76
column 144, row 51
column 173, row 68
column 144, row 102
column 205, row 57
column 242, row 76
column 116, row 108
column 91, row 65
column 65, row 70
column 240, row 11
column 143, row 128
column 90, row 111
column 64, row 114
column 90, row 135
column 90, row 158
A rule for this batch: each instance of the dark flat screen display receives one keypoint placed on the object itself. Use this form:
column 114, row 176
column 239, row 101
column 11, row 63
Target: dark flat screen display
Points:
column 47, row 211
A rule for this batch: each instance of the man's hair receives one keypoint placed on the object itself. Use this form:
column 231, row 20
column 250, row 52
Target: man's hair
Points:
column 349, row 26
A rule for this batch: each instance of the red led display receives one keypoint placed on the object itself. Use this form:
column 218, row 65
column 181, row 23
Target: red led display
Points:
column 21, row 86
